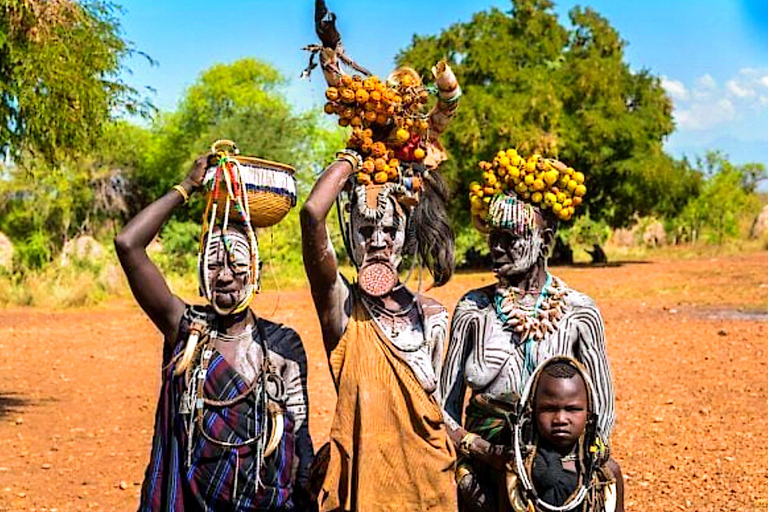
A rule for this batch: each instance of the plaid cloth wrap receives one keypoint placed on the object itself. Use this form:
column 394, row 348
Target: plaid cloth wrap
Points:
column 209, row 482
column 486, row 417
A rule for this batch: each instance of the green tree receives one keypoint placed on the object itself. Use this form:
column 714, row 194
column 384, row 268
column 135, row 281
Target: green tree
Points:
column 42, row 205
column 531, row 83
column 244, row 102
column 59, row 76
column 725, row 204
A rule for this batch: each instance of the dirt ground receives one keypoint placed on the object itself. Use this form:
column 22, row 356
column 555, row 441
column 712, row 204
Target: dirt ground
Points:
column 687, row 341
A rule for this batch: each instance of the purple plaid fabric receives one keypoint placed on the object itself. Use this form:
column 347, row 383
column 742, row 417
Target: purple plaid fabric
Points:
column 208, row 483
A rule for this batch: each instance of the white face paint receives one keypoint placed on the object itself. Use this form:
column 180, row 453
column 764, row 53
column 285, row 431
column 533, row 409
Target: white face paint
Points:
column 515, row 254
column 226, row 270
column 377, row 248
column 378, row 241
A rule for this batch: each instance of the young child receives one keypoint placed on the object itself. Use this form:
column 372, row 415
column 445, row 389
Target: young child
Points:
column 562, row 456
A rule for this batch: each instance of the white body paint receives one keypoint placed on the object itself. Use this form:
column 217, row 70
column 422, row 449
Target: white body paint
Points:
column 485, row 357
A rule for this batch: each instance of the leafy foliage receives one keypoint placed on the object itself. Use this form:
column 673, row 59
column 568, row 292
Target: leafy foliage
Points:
column 725, row 205
column 531, row 83
column 59, row 67
column 43, row 205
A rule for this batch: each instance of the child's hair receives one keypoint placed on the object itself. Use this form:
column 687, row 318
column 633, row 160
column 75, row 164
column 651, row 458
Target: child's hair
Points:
column 560, row 369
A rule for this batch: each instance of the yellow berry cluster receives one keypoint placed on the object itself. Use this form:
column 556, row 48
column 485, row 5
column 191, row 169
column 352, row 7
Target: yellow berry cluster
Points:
column 387, row 124
column 545, row 182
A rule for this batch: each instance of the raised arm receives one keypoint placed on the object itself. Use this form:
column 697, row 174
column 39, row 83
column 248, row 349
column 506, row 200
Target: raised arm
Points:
column 442, row 113
column 146, row 281
column 329, row 291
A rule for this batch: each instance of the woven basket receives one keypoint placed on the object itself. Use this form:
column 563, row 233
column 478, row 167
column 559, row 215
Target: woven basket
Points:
column 270, row 190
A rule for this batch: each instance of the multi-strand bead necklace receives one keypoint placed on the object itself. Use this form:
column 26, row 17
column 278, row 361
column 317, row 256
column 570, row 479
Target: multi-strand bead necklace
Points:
column 531, row 322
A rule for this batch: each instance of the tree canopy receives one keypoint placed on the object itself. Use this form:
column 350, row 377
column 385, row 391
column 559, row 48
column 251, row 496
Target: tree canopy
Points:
column 95, row 190
column 533, row 84
column 59, row 67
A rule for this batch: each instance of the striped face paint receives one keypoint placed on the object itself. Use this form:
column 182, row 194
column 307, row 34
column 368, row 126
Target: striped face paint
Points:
column 226, row 273
column 514, row 254
column 516, row 239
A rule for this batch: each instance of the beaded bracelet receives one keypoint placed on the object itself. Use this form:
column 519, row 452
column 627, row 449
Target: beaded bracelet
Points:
column 450, row 95
column 351, row 156
column 181, row 190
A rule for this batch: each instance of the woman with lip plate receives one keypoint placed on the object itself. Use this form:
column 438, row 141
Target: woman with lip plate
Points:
column 231, row 428
column 501, row 332
column 388, row 446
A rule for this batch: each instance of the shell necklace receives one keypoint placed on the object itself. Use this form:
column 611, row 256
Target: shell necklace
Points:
column 531, row 322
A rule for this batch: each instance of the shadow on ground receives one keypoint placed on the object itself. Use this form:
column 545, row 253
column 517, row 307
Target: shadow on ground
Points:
column 598, row 265
column 12, row 403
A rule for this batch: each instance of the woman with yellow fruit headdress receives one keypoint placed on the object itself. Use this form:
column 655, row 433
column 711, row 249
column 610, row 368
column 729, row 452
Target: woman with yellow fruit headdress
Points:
column 231, row 429
column 388, row 447
column 500, row 333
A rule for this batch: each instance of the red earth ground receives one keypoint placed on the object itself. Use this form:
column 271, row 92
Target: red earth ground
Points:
column 687, row 341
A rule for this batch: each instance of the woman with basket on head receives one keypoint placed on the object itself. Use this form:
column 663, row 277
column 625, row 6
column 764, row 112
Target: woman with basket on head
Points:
column 231, row 429
column 388, row 448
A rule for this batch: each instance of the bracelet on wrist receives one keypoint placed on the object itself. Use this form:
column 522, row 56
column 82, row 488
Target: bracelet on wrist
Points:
column 465, row 445
column 181, row 190
column 351, row 156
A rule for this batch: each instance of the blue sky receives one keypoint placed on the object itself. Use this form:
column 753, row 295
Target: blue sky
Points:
column 712, row 55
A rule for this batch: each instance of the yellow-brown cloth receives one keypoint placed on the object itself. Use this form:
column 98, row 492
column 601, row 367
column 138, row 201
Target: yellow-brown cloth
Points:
column 389, row 448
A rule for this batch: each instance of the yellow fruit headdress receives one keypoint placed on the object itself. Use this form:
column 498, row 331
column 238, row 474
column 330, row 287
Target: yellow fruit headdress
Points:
column 389, row 124
column 394, row 145
column 512, row 186
column 393, row 131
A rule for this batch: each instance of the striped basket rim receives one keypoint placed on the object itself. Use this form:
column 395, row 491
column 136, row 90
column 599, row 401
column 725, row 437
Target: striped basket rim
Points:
column 262, row 162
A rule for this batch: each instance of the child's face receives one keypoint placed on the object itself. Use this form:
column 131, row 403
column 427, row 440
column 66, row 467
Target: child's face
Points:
column 560, row 408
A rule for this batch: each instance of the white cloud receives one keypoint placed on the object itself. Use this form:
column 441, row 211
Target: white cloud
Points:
column 706, row 82
column 707, row 105
column 704, row 115
column 674, row 88
column 704, row 87
column 738, row 90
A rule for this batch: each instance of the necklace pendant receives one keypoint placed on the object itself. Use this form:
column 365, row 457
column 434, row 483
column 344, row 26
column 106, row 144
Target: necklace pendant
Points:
column 184, row 405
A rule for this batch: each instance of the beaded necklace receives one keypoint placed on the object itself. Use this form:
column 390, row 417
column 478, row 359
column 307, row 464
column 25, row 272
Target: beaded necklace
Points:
column 194, row 401
column 531, row 324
